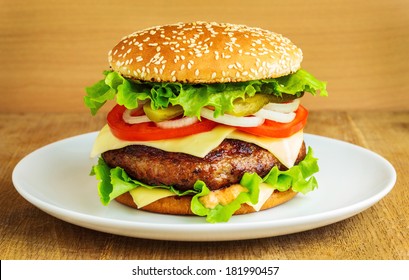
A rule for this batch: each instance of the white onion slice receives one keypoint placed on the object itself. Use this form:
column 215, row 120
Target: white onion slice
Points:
column 275, row 116
column 128, row 118
column 178, row 123
column 283, row 107
column 232, row 120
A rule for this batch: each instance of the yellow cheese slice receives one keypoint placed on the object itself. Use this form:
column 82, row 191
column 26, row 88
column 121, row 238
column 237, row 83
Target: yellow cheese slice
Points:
column 198, row 145
column 143, row 196
column 265, row 192
column 285, row 149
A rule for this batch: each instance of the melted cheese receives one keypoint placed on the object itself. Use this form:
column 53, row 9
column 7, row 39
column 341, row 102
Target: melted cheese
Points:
column 199, row 145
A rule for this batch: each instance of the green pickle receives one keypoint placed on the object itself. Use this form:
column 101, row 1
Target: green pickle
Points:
column 164, row 114
column 251, row 105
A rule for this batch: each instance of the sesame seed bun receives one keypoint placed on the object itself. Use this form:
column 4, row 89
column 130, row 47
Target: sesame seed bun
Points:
column 202, row 52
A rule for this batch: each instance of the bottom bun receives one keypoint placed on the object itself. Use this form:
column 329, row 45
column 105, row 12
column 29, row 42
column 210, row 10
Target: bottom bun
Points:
column 180, row 205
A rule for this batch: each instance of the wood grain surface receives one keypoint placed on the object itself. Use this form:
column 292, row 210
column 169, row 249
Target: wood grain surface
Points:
column 51, row 50
column 381, row 232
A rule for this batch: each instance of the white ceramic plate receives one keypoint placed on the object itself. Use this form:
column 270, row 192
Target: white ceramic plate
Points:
column 55, row 179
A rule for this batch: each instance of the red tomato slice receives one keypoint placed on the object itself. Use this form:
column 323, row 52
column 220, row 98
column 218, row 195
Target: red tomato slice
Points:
column 279, row 130
column 149, row 131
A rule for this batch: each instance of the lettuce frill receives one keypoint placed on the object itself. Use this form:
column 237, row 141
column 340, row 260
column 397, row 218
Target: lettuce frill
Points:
column 193, row 97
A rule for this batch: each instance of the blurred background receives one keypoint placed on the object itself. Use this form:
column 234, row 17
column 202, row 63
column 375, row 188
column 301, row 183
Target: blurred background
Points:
column 51, row 50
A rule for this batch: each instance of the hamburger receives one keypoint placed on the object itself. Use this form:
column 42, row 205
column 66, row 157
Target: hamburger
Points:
column 207, row 121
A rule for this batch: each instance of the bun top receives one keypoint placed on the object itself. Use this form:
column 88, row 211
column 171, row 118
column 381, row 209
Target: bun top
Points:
column 202, row 52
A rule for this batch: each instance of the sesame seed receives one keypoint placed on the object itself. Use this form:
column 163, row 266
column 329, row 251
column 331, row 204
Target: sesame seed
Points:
column 271, row 54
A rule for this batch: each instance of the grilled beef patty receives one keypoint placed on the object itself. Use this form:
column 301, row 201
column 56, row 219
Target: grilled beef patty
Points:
column 222, row 167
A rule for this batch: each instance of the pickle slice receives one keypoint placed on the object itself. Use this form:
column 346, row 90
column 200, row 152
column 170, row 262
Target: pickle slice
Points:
column 248, row 106
column 163, row 114
column 253, row 104
column 284, row 97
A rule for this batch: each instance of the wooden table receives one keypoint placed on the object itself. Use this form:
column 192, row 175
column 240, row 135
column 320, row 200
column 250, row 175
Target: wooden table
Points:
column 381, row 232
column 51, row 50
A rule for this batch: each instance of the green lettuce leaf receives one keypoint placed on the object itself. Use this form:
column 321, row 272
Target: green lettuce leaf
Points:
column 223, row 213
column 298, row 177
column 115, row 181
column 193, row 97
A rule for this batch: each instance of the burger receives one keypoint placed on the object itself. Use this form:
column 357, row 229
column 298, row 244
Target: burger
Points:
column 207, row 121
